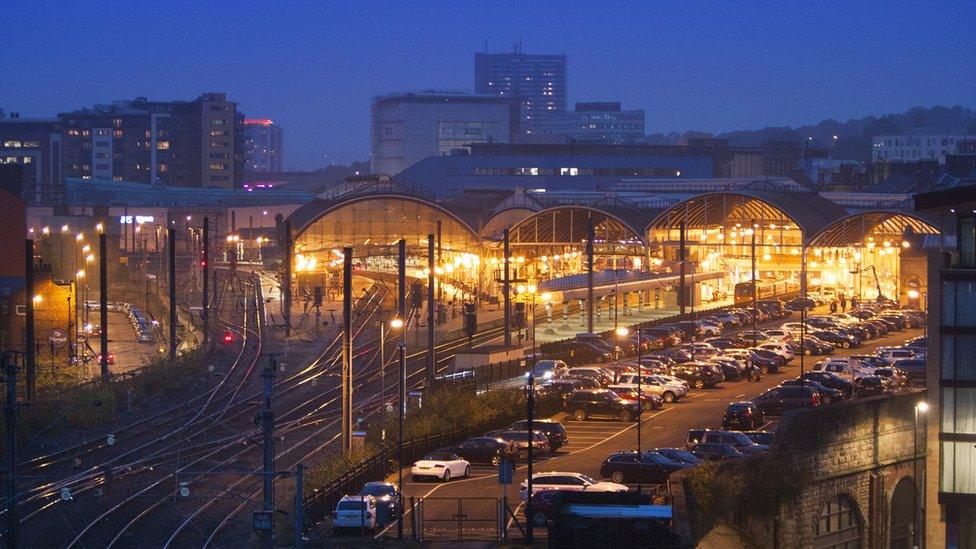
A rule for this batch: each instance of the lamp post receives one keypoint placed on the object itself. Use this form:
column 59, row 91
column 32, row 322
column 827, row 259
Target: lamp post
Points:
column 395, row 324
column 64, row 229
column 624, row 332
column 920, row 408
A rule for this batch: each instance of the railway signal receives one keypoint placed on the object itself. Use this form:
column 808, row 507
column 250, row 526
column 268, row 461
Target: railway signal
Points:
column 228, row 337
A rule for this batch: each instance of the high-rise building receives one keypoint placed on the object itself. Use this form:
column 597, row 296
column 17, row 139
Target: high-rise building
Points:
column 262, row 145
column 602, row 122
column 36, row 144
column 537, row 82
column 407, row 128
column 948, row 497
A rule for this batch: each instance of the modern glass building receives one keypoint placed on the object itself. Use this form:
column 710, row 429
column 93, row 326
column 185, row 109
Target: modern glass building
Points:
column 538, row 82
column 949, row 496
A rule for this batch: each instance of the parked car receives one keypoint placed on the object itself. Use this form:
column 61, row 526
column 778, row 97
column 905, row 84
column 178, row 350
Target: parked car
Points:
column 553, row 430
column 541, row 507
column 677, row 454
column 832, row 380
column 387, row 500
column 896, row 377
column 891, row 355
column 544, row 369
column 914, row 368
column 761, row 437
column 717, row 452
column 652, row 385
column 648, row 467
column 522, row 439
column 699, row 374
column 837, row 337
column 743, row 415
column 487, row 449
column 801, row 304
column 589, row 404
column 440, row 466
column 778, row 400
column 827, row 394
column 586, row 372
column 355, row 512
column 574, row 482
column 562, row 388
column 741, row 442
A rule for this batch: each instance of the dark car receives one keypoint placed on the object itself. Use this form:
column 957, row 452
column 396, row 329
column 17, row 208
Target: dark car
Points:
column 743, row 415
column 838, row 338
column 583, row 405
column 832, row 380
column 741, row 442
column 677, row 355
column 717, row 452
column 488, row 450
column 772, row 360
column 521, row 440
column 553, row 430
column 688, row 328
column 778, row 400
column 888, row 324
column 723, row 343
column 881, row 327
column 869, row 386
column 801, row 304
column 914, row 368
column 812, row 346
column 761, row 437
column 541, row 507
column 649, row 467
column 827, row 394
column 896, row 377
column 670, row 336
column 677, row 454
column 387, row 500
column 562, row 388
column 699, row 374
column 899, row 322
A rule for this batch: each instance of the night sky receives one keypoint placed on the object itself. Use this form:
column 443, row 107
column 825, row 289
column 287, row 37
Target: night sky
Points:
column 314, row 66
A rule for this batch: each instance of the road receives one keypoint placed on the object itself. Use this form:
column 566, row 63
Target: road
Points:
column 590, row 443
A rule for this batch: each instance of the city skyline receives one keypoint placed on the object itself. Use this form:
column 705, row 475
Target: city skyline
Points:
column 688, row 69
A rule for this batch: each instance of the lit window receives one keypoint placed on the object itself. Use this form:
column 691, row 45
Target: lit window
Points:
column 162, row 145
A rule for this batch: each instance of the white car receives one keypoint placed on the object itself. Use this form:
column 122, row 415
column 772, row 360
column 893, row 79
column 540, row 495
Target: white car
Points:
column 649, row 385
column 570, row 482
column 356, row 512
column 844, row 367
column 440, row 466
column 891, row 355
column 779, row 335
column 727, row 319
column 778, row 348
column 709, row 329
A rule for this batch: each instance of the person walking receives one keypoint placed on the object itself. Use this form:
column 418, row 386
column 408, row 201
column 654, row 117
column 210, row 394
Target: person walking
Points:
column 833, row 306
column 843, row 302
column 854, row 302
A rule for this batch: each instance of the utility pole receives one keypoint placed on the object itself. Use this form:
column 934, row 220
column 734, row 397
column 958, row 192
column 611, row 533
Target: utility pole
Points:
column 431, row 266
column 103, row 302
column 401, row 376
column 287, row 282
column 681, row 269
column 205, row 308
column 10, row 415
column 755, row 285
column 267, row 428
column 171, row 249
column 347, row 349
column 29, row 336
column 530, row 412
column 440, row 261
column 507, row 289
column 590, row 235
column 299, row 499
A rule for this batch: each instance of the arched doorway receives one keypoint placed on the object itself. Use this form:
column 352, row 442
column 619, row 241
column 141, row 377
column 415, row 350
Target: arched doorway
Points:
column 839, row 525
column 901, row 514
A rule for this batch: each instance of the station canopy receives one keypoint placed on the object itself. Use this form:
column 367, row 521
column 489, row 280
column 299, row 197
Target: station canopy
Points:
column 613, row 225
column 854, row 229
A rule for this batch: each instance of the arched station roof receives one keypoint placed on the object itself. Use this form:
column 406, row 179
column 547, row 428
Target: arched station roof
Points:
column 854, row 228
column 809, row 211
column 568, row 224
column 306, row 215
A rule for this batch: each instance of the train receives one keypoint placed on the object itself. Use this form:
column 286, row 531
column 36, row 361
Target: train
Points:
column 766, row 289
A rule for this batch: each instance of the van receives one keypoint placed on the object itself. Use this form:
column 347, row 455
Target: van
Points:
column 356, row 512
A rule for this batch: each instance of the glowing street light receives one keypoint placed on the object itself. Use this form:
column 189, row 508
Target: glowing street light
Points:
column 38, row 298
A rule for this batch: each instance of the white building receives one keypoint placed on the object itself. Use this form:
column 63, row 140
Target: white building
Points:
column 915, row 148
column 407, row 128
column 595, row 122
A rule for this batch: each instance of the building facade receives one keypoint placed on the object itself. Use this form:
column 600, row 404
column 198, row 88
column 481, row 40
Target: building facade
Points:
column 600, row 122
column 407, row 128
column 537, row 82
column 34, row 143
column 950, row 491
column 262, row 145
column 915, row 148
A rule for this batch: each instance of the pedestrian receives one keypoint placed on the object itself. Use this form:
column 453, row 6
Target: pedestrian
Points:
column 854, row 302
column 833, row 306
column 843, row 302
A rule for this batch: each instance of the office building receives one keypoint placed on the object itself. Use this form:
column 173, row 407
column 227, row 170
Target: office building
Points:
column 537, row 82
column 949, row 493
column 34, row 143
column 262, row 145
column 407, row 128
column 916, row 148
column 602, row 122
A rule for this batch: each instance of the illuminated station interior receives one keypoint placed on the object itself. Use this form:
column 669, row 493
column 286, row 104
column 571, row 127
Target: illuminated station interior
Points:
column 784, row 238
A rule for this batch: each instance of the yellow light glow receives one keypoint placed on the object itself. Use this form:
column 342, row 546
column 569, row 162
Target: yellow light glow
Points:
column 546, row 296
column 396, row 323
column 79, row 237
column 46, row 230
column 622, row 331
column 38, row 298
column 767, row 257
column 906, row 244
column 531, row 288
column 64, row 228
column 913, row 294
column 90, row 258
column 438, row 271
column 80, row 273
column 922, row 406
column 100, row 227
column 520, row 288
column 521, row 259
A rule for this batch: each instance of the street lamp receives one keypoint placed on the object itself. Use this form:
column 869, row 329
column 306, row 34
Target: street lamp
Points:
column 395, row 324
column 529, row 416
column 920, row 408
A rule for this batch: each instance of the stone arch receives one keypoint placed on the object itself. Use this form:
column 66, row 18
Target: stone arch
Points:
column 902, row 509
column 839, row 524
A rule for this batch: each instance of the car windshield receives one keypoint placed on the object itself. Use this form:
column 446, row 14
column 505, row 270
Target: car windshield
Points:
column 613, row 396
column 742, row 439
column 351, row 505
column 682, row 454
column 438, row 456
column 587, row 479
column 377, row 490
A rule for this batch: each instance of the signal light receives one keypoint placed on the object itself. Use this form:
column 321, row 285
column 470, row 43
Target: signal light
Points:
column 203, row 263
column 228, row 337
